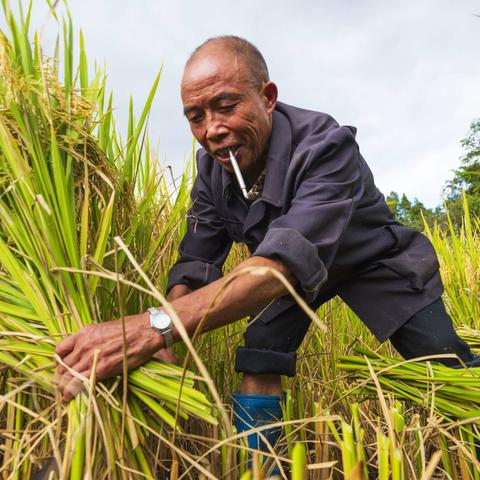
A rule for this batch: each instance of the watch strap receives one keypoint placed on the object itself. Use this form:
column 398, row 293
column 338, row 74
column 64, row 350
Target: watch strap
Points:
column 168, row 336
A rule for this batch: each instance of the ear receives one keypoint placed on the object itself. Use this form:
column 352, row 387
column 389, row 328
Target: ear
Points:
column 270, row 94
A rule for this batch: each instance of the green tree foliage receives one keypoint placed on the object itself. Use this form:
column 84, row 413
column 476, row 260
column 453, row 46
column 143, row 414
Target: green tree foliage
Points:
column 410, row 213
column 465, row 179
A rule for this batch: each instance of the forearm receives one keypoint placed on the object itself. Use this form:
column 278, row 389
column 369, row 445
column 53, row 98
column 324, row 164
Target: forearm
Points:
column 231, row 297
column 221, row 302
column 178, row 291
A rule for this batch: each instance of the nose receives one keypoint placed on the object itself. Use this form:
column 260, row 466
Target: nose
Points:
column 216, row 130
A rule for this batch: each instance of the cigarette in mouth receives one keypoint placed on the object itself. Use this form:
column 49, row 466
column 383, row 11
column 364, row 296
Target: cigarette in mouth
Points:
column 238, row 174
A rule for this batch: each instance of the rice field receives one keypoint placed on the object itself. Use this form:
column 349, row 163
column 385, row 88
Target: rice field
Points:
column 90, row 223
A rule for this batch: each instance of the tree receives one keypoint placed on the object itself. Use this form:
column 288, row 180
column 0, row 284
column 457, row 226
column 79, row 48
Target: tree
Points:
column 467, row 177
column 411, row 214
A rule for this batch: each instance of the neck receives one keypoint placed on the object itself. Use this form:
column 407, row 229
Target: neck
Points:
column 252, row 176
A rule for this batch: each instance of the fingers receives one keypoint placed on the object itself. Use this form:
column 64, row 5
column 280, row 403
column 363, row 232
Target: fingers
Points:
column 65, row 346
column 70, row 377
column 63, row 349
column 75, row 352
column 73, row 387
column 74, row 361
column 101, row 347
column 70, row 383
column 64, row 378
column 166, row 355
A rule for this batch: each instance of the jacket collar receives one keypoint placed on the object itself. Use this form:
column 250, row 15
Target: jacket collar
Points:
column 278, row 159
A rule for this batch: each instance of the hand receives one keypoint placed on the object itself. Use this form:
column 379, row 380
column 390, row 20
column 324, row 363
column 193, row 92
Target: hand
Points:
column 78, row 351
column 166, row 355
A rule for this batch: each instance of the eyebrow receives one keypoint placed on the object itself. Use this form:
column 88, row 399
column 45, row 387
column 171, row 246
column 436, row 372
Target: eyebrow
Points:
column 216, row 99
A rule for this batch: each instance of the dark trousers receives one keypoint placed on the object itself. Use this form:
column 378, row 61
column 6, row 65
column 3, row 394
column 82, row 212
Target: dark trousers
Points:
column 429, row 332
column 270, row 347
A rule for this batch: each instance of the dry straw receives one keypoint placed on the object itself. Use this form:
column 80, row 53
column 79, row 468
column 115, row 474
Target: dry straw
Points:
column 68, row 186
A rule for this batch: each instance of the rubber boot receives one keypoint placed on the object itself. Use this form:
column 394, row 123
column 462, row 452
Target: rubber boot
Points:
column 252, row 411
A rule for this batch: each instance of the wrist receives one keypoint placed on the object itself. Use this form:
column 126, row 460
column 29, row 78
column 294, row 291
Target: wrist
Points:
column 162, row 324
column 154, row 340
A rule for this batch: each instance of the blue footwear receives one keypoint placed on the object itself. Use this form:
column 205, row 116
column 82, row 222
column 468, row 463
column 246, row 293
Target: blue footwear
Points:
column 252, row 411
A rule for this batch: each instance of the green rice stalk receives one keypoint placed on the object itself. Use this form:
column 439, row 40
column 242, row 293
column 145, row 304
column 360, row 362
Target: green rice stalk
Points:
column 452, row 393
column 287, row 410
column 68, row 186
column 397, row 470
column 383, row 451
column 347, row 447
column 359, row 434
column 459, row 257
column 299, row 462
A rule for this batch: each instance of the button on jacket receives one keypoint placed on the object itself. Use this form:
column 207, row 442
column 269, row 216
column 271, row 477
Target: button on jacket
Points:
column 322, row 215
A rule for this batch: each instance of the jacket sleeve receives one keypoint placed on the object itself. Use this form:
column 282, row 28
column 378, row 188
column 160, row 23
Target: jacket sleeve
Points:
column 327, row 188
column 206, row 244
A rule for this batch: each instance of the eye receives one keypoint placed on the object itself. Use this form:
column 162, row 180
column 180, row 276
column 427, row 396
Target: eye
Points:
column 195, row 118
column 227, row 108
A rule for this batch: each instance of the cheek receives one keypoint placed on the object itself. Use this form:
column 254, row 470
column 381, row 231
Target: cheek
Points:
column 252, row 129
column 259, row 138
column 198, row 133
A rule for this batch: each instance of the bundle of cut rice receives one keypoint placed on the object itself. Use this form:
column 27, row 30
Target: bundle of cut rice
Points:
column 67, row 187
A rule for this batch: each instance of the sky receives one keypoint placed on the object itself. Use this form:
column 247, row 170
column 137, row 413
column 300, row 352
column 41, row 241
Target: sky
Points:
column 406, row 74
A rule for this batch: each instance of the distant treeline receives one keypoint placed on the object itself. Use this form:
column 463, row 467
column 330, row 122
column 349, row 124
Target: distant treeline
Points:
column 465, row 179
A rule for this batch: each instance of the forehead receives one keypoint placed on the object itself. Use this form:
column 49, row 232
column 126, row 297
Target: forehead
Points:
column 213, row 69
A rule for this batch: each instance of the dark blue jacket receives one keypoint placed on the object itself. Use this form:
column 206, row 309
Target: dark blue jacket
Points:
column 321, row 214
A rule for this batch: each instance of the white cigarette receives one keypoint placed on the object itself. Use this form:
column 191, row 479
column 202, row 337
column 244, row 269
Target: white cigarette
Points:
column 238, row 174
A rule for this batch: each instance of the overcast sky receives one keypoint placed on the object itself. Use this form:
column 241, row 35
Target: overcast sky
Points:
column 406, row 74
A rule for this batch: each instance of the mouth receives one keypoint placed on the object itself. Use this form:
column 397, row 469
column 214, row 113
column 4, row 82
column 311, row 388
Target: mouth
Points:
column 223, row 154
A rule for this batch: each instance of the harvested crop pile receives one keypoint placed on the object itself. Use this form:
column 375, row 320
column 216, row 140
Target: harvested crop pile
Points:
column 68, row 187
column 451, row 396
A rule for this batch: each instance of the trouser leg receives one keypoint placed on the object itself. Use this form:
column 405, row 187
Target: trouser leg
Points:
column 271, row 344
column 430, row 331
column 270, row 347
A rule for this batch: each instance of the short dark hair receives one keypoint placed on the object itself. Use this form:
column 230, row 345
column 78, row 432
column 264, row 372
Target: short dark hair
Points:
column 248, row 52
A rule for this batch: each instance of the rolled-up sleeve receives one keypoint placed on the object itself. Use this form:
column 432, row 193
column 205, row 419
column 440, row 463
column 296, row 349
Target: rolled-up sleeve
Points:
column 206, row 244
column 328, row 186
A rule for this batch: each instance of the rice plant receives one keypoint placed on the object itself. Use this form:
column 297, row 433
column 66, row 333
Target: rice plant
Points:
column 68, row 188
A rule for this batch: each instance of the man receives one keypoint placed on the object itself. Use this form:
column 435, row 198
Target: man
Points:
column 314, row 215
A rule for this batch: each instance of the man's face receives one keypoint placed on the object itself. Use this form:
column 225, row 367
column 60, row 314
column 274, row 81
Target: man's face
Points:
column 225, row 111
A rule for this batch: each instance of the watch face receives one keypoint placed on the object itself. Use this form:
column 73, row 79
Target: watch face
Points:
column 161, row 320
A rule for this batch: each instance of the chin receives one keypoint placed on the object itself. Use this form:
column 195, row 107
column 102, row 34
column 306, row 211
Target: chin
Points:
column 228, row 168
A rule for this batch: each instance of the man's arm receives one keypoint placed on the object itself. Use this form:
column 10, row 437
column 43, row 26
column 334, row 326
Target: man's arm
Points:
column 239, row 297
column 178, row 291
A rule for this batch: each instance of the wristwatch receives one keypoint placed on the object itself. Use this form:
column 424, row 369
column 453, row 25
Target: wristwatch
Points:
column 162, row 323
